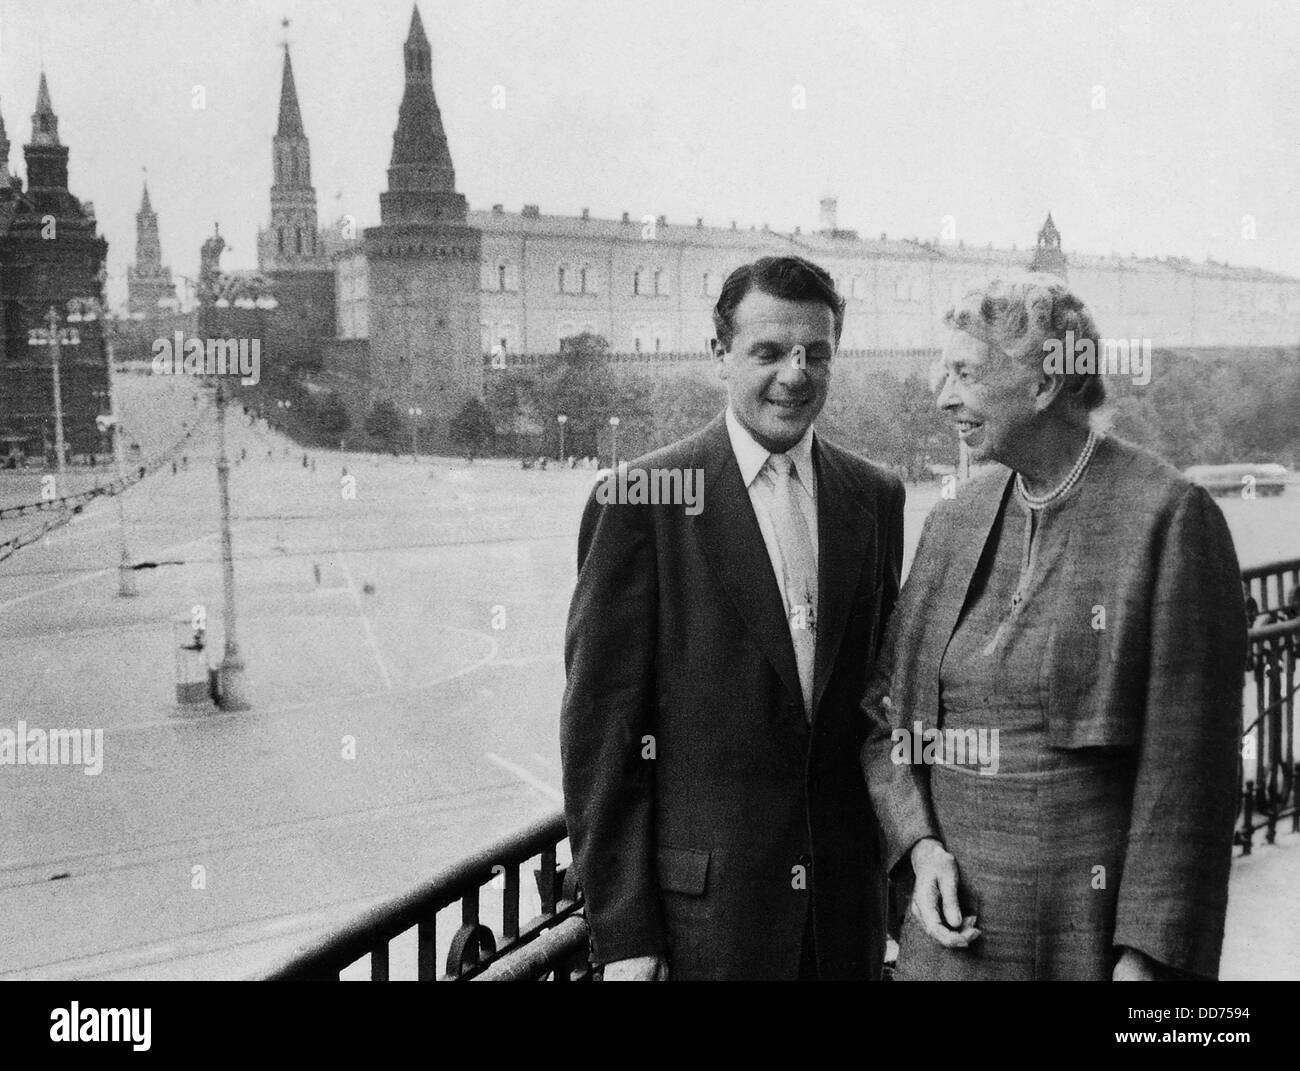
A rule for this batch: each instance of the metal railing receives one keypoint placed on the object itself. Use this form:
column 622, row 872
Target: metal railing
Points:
column 1268, row 745
column 1272, row 591
column 553, row 944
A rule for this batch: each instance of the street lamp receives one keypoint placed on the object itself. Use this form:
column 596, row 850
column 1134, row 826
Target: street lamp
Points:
column 234, row 695
column 56, row 337
column 414, row 412
column 110, row 423
column 613, row 447
column 561, row 420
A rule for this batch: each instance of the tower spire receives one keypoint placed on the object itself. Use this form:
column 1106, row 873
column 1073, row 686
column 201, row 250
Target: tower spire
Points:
column 421, row 177
column 290, row 116
column 292, row 240
column 47, row 157
column 45, row 124
column 148, row 280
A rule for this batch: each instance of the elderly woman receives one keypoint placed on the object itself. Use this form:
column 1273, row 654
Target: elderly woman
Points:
column 1054, row 720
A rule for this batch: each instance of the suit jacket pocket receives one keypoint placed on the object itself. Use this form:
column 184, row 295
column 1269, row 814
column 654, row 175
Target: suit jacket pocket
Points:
column 683, row 870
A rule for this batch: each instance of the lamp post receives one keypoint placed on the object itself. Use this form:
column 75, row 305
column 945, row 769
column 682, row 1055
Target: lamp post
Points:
column 561, row 420
column 415, row 412
column 613, row 446
column 54, row 336
column 125, row 573
column 233, row 691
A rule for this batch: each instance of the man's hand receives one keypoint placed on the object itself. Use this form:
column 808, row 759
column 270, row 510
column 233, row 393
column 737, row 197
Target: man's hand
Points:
column 637, row 969
column 936, row 888
column 1135, row 966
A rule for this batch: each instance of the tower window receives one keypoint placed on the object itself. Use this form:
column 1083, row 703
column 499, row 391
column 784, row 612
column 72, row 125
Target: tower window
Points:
column 279, row 239
column 582, row 281
column 559, row 279
column 297, row 240
column 658, row 281
column 501, row 280
column 636, row 285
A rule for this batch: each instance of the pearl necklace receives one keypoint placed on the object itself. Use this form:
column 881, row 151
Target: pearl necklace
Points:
column 1076, row 473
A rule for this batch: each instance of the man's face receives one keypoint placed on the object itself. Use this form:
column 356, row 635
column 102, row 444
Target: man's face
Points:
column 778, row 367
column 990, row 397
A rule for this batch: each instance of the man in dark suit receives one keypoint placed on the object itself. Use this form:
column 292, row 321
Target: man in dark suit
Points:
column 717, row 650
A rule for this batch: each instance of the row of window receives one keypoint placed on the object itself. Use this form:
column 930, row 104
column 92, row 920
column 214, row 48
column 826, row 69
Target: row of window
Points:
column 503, row 337
column 503, row 277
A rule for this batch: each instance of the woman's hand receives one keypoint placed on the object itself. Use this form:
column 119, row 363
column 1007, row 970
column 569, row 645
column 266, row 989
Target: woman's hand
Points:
column 1135, row 966
column 936, row 889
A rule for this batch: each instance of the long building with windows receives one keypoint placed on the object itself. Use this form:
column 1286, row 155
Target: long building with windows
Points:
column 434, row 297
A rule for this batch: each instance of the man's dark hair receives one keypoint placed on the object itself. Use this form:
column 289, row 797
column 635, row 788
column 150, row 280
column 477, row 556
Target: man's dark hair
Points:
column 790, row 278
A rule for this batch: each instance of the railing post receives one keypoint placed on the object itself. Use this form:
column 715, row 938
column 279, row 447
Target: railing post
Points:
column 1248, row 817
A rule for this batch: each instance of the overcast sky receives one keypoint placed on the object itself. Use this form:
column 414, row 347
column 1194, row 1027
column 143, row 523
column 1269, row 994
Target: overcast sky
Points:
column 983, row 110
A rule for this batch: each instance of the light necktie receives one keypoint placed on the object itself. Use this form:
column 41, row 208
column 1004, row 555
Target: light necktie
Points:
column 799, row 567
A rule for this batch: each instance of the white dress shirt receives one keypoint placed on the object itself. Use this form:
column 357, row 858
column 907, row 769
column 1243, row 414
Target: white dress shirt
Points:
column 751, row 456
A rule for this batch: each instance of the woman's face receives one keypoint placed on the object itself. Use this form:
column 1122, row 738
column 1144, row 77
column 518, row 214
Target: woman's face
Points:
column 990, row 397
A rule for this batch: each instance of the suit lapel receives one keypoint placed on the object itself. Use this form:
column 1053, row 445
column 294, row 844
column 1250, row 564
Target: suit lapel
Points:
column 733, row 544
column 845, row 532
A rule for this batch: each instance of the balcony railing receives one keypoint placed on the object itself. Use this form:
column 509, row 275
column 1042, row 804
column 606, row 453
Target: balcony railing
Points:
column 553, row 943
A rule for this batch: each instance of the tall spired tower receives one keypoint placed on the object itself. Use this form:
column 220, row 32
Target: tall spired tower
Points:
column 292, row 241
column 1048, row 255
column 51, row 256
column 148, row 281
column 423, row 262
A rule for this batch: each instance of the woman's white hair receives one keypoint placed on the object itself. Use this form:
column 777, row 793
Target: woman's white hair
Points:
column 1018, row 314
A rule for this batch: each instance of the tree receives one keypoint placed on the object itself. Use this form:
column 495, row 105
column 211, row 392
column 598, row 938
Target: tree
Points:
column 472, row 427
column 384, row 424
column 579, row 383
column 331, row 418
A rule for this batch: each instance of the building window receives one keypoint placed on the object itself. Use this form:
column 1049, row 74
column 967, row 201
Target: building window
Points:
column 501, row 277
column 661, row 284
column 297, row 240
column 279, row 239
column 636, row 284
column 582, row 280
column 559, row 279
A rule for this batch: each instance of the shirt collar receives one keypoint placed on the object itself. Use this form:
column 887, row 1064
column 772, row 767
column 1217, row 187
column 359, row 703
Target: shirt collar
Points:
column 751, row 455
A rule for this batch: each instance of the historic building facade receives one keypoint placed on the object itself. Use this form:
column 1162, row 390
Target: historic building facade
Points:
column 435, row 294
column 51, row 257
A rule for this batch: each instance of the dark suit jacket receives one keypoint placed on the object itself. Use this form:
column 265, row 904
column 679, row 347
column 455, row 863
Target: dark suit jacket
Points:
column 695, row 790
column 1163, row 678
